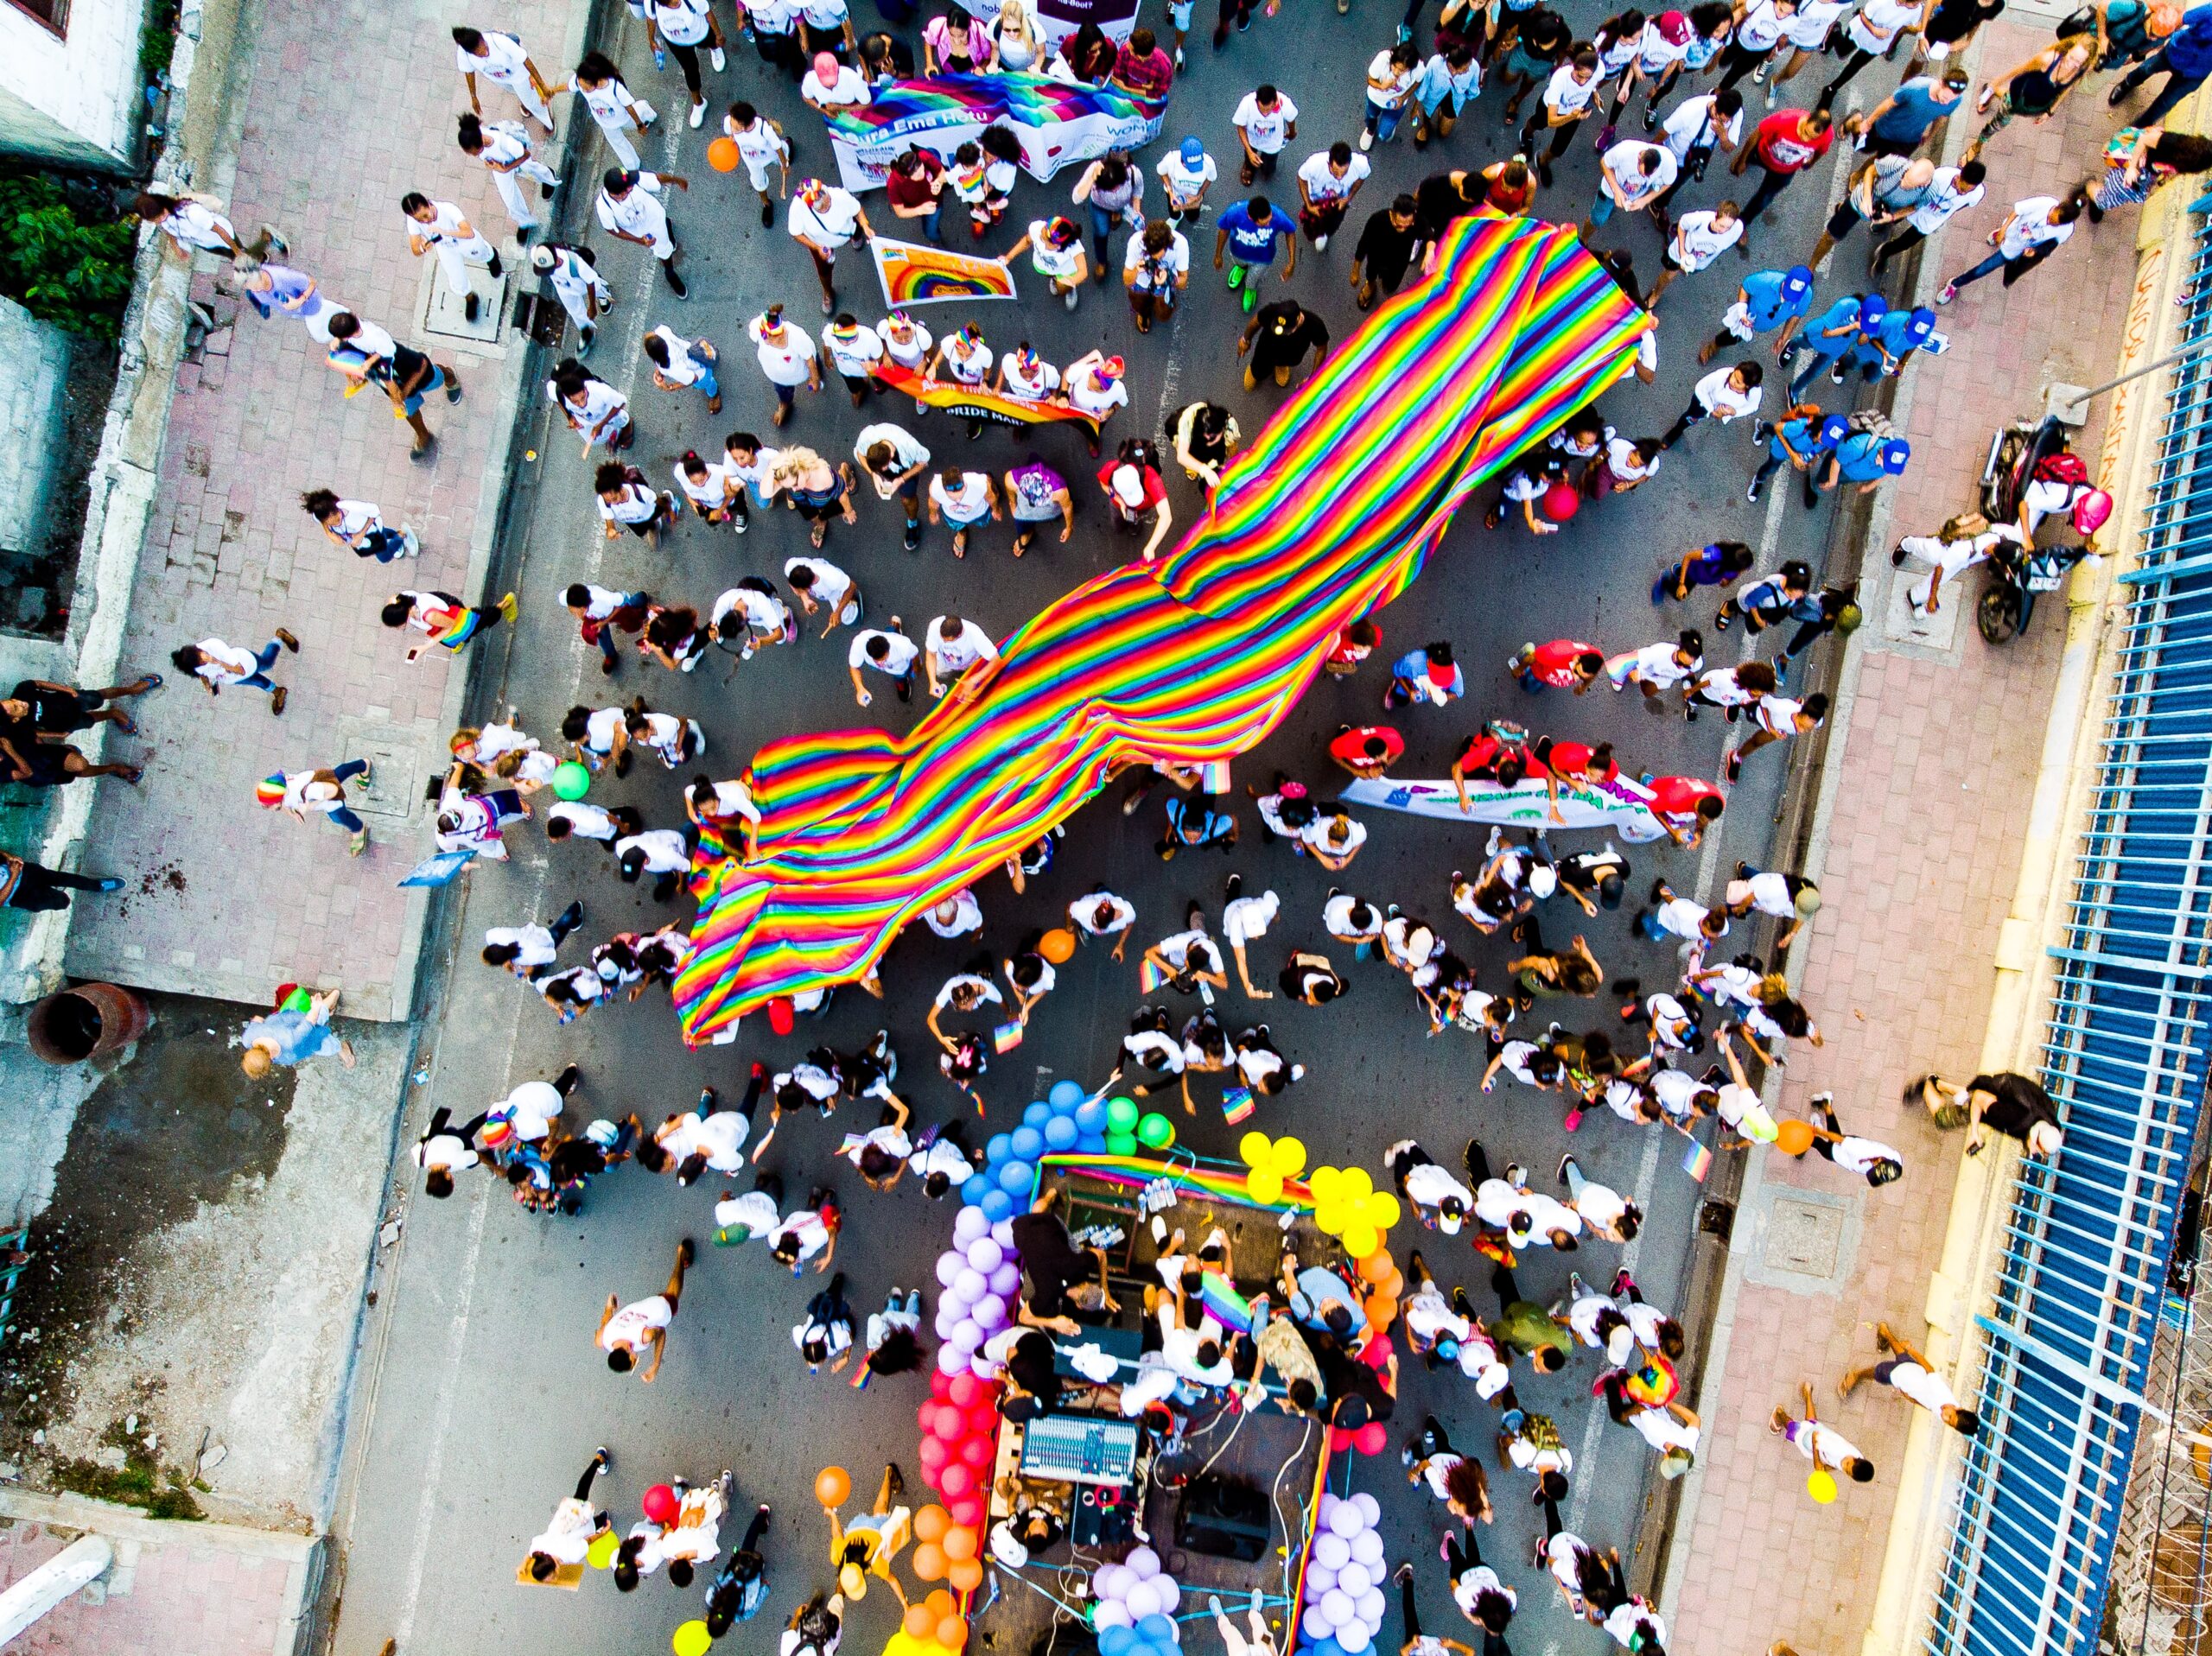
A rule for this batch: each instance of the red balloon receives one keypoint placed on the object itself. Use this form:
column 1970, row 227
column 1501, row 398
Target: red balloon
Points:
column 940, row 1383
column 780, row 1015
column 956, row 1480
column 660, row 1504
column 978, row 1452
column 926, row 1416
column 949, row 1424
column 932, row 1453
column 983, row 1419
column 963, row 1387
column 1560, row 502
column 966, row 1513
column 1371, row 1438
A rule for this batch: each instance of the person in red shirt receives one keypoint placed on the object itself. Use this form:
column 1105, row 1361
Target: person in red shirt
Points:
column 1132, row 485
column 915, row 187
column 1685, row 807
column 1580, row 764
column 1369, row 751
column 1498, row 753
column 1562, row 664
column 1354, row 644
column 1141, row 68
column 1784, row 144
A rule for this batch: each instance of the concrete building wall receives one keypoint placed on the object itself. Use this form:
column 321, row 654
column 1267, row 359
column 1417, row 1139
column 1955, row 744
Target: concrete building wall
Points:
column 34, row 379
column 74, row 98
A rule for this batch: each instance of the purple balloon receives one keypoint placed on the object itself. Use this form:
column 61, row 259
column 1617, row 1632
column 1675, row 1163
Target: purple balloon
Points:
column 985, row 1254
column 1002, row 1234
column 951, row 1361
column 965, row 1335
column 971, row 1285
column 950, row 1264
column 990, row 1314
column 1006, row 1281
column 968, row 1225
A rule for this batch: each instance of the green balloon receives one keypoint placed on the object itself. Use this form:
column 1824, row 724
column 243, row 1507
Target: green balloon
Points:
column 1155, row 1131
column 571, row 780
column 1121, row 1143
column 1121, row 1115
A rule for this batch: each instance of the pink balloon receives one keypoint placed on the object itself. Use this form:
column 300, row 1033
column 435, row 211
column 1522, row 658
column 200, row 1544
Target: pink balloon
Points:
column 964, row 1388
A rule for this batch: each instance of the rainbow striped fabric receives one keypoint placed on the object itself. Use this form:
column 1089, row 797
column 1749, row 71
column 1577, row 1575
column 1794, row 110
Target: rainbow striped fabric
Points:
column 1330, row 513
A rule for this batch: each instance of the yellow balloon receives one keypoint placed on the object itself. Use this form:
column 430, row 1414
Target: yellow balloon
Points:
column 1330, row 1217
column 691, row 1639
column 1264, row 1185
column 1326, row 1183
column 1289, row 1157
column 1357, row 1183
column 1383, row 1210
column 1254, row 1150
column 1822, row 1485
column 600, row 1554
column 1360, row 1240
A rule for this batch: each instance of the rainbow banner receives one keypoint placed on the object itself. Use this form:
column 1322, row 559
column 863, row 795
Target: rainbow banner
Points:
column 979, row 401
column 1330, row 513
column 1057, row 122
column 916, row 274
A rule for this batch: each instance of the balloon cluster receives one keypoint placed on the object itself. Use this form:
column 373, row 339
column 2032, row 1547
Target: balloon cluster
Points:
column 1347, row 1206
column 1065, row 1120
column 1133, row 1607
column 1344, row 1577
column 981, row 1279
column 936, row 1619
column 1273, row 1163
column 960, row 1432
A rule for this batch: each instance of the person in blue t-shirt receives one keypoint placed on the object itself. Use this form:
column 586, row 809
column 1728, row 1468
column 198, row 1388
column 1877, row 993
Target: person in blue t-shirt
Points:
column 1768, row 300
column 1254, row 231
column 1883, row 352
column 2186, row 59
column 1831, row 337
column 1899, row 122
column 1798, row 440
column 1866, row 458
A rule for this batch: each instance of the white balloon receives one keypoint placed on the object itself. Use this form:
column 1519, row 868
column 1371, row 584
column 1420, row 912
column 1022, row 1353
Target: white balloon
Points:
column 1366, row 1546
column 1315, row 1625
column 1145, row 1562
column 989, row 1313
column 1319, row 1578
column 1110, row 1613
column 1006, row 1281
column 1338, row 1606
column 1002, row 1234
column 1169, row 1592
column 1355, row 1638
column 1345, row 1519
column 965, row 1335
column 1141, row 1599
column 984, row 1254
column 1370, row 1510
column 1370, row 1607
column 1112, row 1580
column 1329, row 1501
column 968, row 1225
column 1354, row 1578
column 1331, row 1549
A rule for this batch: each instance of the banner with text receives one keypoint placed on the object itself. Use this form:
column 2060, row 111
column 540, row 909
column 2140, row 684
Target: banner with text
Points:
column 1620, row 806
column 979, row 401
column 1056, row 124
column 913, row 272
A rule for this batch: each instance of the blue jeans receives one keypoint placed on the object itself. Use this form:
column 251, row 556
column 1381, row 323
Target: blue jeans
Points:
column 1989, row 266
column 709, row 387
column 264, row 659
column 1383, row 123
column 344, row 817
column 1102, row 220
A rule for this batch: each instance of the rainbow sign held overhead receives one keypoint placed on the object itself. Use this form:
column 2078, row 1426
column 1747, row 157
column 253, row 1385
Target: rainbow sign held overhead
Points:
column 1055, row 123
column 914, row 274
column 1330, row 513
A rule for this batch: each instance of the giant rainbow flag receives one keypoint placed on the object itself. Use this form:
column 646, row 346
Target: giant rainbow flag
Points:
column 1331, row 512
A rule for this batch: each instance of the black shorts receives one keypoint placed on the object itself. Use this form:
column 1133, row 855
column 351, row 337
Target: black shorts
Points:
column 1844, row 220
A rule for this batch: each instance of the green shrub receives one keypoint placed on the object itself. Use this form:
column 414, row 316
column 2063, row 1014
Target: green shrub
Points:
column 60, row 265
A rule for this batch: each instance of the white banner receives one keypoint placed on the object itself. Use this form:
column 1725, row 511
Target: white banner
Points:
column 1620, row 807
column 1055, row 123
column 1053, row 21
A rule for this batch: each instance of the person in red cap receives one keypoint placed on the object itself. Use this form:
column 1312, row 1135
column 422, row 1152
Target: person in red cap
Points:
column 1661, row 51
column 1562, row 664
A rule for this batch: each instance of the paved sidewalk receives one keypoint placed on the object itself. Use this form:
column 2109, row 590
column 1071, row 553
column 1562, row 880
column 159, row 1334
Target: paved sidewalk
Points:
column 174, row 1588
column 1923, row 851
column 259, row 420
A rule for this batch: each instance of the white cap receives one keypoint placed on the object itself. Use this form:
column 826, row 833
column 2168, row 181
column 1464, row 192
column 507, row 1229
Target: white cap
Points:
column 1128, row 485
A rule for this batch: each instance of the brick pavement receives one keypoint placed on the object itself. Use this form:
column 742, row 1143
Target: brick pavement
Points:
column 1923, row 850
column 230, row 553
column 187, row 1594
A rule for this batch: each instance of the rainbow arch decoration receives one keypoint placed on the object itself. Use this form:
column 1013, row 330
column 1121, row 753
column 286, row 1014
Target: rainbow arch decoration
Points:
column 1330, row 513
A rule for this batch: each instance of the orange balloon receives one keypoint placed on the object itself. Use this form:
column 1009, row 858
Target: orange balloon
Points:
column 930, row 1524
column 1058, row 945
column 918, row 1622
column 722, row 155
column 940, row 1604
column 1794, row 1138
column 1376, row 1265
column 952, row 1633
column 929, row 1562
column 958, row 1544
column 831, row 1485
column 966, row 1576
column 1394, row 1285
column 1381, row 1311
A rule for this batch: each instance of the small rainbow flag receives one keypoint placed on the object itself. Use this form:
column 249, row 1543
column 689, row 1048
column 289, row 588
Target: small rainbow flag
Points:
column 1149, row 976
column 1006, row 1036
column 269, row 792
column 913, row 274
column 1235, row 1105
column 1215, row 774
column 1697, row 1160
column 1224, row 1303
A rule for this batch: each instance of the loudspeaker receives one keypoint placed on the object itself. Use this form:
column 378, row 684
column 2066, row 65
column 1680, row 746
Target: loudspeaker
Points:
column 1223, row 1519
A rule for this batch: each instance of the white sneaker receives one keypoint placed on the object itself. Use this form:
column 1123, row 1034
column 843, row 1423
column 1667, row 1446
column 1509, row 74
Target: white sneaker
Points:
column 714, row 56
column 411, row 541
column 1320, row 242
column 1178, row 57
column 698, row 115
column 1367, row 140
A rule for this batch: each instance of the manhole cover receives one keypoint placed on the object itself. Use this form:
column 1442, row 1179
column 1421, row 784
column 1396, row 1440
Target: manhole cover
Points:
column 441, row 313
column 1804, row 1237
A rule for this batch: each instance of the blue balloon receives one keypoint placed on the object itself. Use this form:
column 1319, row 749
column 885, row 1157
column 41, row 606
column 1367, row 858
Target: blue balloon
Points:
column 1092, row 1144
column 1065, row 1094
column 1326, row 1647
column 1028, row 1143
column 973, row 1192
column 1156, row 1629
column 1015, row 1179
column 996, row 1204
column 1060, row 1134
column 1116, row 1641
column 998, row 1148
column 1036, row 1114
column 1090, row 1115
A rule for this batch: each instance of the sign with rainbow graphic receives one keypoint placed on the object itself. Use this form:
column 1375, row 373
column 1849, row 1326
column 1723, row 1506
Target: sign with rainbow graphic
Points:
column 915, row 274
column 1056, row 123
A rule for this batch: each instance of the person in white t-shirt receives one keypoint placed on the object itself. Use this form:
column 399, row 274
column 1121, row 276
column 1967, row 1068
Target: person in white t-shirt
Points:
column 1726, row 395
column 1244, row 921
column 890, row 653
column 503, row 60
column 1633, row 176
column 1904, row 1370
column 441, row 228
column 1699, row 237
column 1823, row 1445
column 566, row 1541
column 1102, row 914
column 823, row 217
column 2035, row 228
column 965, row 498
column 682, row 26
column 631, row 209
column 1438, row 1201
column 1569, row 96
column 1186, row 171
column 952, row 647
column 1390, row 78
column 854, row 352
column 829, row 86
column 788, row 356
column 1328, row 181
column 631, row 1331
column 1265, row 121
column 1874, row 1161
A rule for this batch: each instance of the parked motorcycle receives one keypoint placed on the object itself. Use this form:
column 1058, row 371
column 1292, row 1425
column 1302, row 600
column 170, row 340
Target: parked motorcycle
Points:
column 2022, row 455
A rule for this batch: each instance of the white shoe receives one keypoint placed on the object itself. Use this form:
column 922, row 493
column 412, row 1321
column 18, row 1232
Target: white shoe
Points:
column 698, row 115
column 1320, row 242
column 410, row 541
column 714, row 56
column 1178, row 57
column 1367, row 140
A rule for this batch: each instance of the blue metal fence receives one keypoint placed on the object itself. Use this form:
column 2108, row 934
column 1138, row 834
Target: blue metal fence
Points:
column 2068, row 1337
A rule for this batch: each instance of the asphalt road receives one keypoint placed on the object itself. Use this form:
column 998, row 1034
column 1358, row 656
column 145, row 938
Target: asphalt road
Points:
column 480, row 1395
